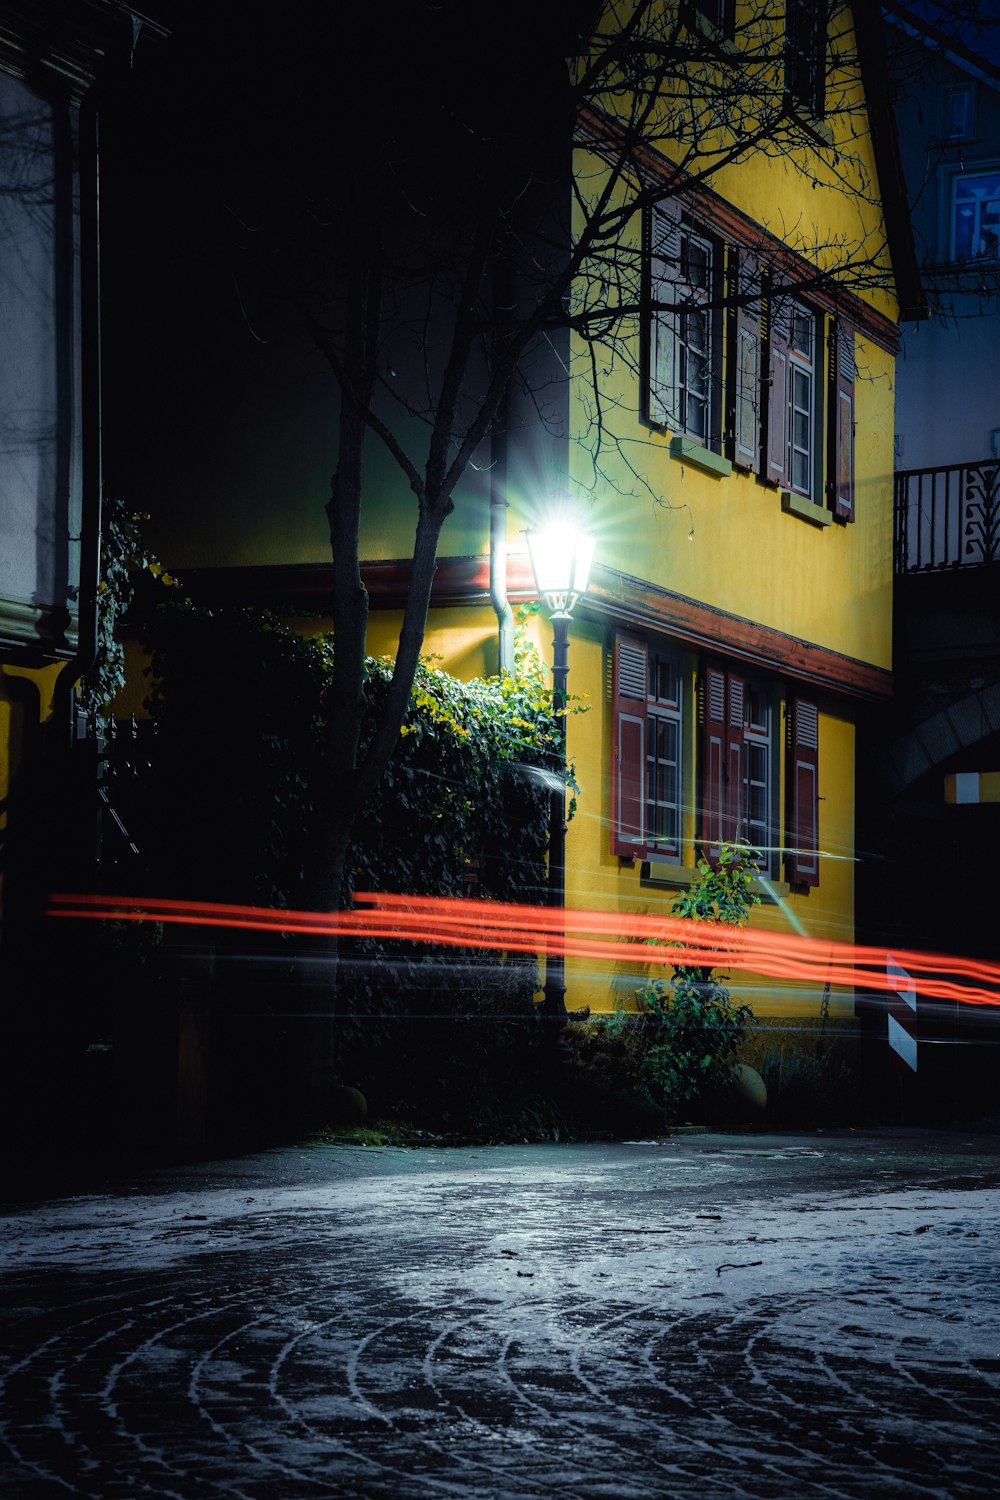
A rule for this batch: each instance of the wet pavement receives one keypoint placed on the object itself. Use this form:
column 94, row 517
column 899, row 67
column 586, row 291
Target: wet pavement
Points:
column 710, row 1316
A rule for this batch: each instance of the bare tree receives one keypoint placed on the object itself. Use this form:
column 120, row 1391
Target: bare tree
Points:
column 446, row 195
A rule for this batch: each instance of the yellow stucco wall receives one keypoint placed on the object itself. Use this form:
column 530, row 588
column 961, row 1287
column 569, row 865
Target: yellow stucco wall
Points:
column 599, row 880
column 726, row 541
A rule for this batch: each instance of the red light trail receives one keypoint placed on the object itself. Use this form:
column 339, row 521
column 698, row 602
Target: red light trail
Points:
column 453, row 921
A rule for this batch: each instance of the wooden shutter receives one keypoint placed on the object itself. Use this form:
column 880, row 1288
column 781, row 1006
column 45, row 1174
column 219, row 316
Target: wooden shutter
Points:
column 777, row 402
column 714, row 755
column 803, row 794
column 840, row 395
column 735, row 714
column 664, row 268
column 723, row 747
column 743, row 424
column 630, row 676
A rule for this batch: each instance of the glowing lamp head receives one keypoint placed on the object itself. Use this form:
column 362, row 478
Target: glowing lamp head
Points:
column 561, row 555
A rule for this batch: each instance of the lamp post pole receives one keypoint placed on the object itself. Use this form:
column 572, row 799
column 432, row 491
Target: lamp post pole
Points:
column 555, row 971
column 560, row 558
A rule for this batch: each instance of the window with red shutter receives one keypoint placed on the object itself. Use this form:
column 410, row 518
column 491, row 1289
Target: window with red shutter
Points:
column 802, row 852
column 628, row 707
column 714, row 759
column 736, row 762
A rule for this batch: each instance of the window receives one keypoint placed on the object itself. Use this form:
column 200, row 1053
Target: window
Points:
column 780, row 373
column 975, row 219
column 757, row 783
column 648, row 733
column 719, row 14
column 737, row 764
column 958, row 112
column 683, row 336
column 801, row 401
column 805, row 54
column 792, row 407
column 40, row 450
column 736, row 772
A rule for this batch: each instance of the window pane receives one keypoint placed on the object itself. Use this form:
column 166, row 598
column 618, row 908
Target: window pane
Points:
column 663, row 783
column 977, row 217
column 802, row 332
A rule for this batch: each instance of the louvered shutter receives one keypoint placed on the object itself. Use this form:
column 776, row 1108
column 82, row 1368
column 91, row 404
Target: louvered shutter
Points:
column 840, row 449
column 743, row 423
column 777, row 403
column 714, row 745
column 664, row 263
column 735, row 740
column 803, row 794
column 630, row 670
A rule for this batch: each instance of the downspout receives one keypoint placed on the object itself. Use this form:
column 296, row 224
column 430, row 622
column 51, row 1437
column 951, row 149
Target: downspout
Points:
column 502, row 299
column 498, row 541
column 90, row 411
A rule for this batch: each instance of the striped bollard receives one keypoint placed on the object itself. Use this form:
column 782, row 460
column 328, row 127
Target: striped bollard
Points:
column 901, row 1013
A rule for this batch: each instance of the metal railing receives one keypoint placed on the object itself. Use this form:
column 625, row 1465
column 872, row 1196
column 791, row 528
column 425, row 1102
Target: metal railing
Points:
column 948, row 517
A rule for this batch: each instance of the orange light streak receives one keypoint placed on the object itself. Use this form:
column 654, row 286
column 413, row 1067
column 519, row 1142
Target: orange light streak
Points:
column 574, row 933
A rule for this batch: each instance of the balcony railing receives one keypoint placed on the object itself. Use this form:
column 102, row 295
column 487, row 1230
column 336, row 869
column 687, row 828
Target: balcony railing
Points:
column 947, row 517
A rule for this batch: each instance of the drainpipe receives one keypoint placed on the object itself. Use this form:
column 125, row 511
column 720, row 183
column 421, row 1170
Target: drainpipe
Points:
column 90, row 401
column 498, row 540
column 502, row 301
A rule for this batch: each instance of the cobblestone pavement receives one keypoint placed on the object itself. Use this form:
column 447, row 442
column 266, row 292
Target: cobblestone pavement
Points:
column 710, row 1316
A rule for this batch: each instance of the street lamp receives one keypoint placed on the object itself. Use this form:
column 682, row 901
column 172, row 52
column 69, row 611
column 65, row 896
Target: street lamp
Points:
column 560, row 555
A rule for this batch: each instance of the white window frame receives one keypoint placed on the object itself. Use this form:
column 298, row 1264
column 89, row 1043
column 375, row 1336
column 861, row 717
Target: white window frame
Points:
column 663, row 708
column 803, row 376
column 983, row 170
column 949, row 94
column 759, row 734
column 698, row 300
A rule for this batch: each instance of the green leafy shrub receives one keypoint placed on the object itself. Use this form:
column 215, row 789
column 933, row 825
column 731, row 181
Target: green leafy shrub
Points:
column 684, row 1034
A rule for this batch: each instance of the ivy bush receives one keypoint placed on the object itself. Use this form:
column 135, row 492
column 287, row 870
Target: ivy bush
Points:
column 231, row 810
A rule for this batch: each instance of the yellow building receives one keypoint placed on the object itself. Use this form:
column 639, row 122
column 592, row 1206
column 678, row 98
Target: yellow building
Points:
column 738, row 621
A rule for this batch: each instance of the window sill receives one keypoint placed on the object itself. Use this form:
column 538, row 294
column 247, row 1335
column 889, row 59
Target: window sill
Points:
column 726, row 45
column 653, row 873
column 806, row 510
column 690, row 452
column 815, row 127
column 656, row 875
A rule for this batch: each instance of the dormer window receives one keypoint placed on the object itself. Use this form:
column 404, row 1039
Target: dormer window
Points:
column 805, row 54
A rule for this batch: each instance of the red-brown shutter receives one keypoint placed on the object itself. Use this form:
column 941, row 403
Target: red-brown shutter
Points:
column 630, row 676
column 735, row 739
column 712, row 814
column 777, row 402
column 743, row 424
column 803, row 794
column 840, row 448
